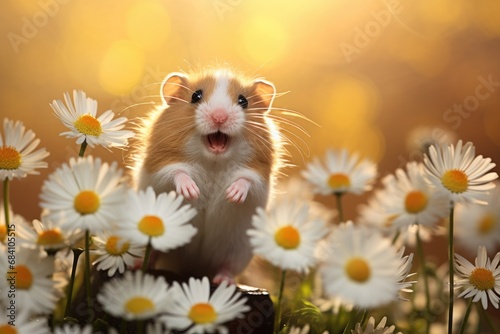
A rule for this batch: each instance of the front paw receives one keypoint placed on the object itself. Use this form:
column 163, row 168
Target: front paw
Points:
column 185, row 186
column 238, row 191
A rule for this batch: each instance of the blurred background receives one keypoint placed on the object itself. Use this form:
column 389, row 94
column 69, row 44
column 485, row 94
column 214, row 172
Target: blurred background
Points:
column 369, row 73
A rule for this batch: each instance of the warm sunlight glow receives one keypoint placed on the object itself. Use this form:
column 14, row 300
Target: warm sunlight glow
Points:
column 122, row 67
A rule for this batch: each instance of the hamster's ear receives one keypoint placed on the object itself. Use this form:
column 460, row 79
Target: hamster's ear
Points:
column 172, row 88
column 266, row 91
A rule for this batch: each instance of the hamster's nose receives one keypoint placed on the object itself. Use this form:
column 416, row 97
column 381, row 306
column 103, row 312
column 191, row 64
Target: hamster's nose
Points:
column 219, row 116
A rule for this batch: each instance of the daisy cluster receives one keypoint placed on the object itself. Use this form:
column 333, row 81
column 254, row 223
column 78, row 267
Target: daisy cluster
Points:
column 347, row 267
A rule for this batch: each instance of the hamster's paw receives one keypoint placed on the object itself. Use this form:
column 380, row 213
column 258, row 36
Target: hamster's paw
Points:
column 222, row 276
column 238, row 191
column 185, row 186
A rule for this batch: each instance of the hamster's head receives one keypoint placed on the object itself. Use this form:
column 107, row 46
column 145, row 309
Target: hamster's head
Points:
column 220, row 104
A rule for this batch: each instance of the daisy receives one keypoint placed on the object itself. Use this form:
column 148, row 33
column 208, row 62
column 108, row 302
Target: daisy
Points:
column 371, row 329
column 18, row 157
column 136, row 296
column 286, row 236
column 160, row 220
column 115, row 253
column 24, row 324
column 481, row 281
column 378, row 214
column 193, row 307
column 343, row 174
column 15, row 220
column 73, row 329
column 363, row 269
column 35, row 291
column 46, row 235
column 459, row 172
column 479, row 225
column 80, row 118
column 85, row 194
column 412, row 200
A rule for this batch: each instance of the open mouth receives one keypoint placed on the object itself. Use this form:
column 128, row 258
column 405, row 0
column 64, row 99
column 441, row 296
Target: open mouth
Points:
column 217, row 142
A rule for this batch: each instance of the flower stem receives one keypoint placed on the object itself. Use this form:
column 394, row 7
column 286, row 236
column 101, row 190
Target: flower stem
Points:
column 6, row 205
column 145, row 264
column 338, row 197
column 277, row 321
column 76, row 255
column 423, row 268
column 82, row 149
column 396, row 237
column 451, row 269
column 466, row 317
column 87, row 269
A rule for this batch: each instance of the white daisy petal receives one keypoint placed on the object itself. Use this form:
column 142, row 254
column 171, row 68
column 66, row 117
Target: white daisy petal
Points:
column 79, row 117
column 455, row 170
column 160, row 219
column 343, row 173
column 36, row 290
column 286, row 236
column 17, row 158
column 136, row 296
column 366, row 270
column 71, row 194
column 193, row 306
column 479, row 281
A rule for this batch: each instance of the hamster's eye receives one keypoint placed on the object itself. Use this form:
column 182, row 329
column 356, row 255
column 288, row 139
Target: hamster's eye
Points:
column 242, row 101
column 197, row 96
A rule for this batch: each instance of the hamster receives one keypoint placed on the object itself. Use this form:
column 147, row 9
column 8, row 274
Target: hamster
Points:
column 213, row 143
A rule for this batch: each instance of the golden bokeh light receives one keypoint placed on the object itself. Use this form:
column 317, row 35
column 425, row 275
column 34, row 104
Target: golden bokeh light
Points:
column 122, row 67
column 347, row 101
column 148, row 24
column 264, row 40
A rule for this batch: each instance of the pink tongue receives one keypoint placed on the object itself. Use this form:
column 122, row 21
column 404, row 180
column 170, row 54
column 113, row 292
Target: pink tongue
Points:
column 217, row 140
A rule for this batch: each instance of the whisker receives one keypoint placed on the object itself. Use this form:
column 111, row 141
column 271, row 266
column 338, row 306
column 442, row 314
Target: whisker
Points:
column 281, row 120
column 135, row 105
column 180, row 85
column 265, row 143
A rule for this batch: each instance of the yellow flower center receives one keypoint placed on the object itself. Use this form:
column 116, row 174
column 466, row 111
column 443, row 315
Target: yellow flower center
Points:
column 3, row 232
column 139, row 305
column 7, row 329
column 358, row 269
column 202, row 313
column 287, row 237
column 151, row 226
column 415, row 201
column 486, row 224
column 50, row 237
column 482, row 279
column 10, row 158
column 455, row 181
column 87, row 202
column 88, row 125
column 24, row 277
column 115, row 246
column 339, row 181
